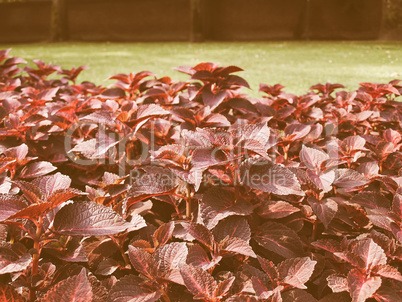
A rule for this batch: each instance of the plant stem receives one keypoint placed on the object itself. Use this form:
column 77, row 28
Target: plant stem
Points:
column 124, row 255
column 165, row 296
column 188, row 203
column 313, row 235
column 381, row 168
column 118, row 242
column 188, row 209
column 285, row 151
column 36, row 256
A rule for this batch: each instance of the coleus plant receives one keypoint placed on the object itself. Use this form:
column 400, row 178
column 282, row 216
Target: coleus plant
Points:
column 157, row 190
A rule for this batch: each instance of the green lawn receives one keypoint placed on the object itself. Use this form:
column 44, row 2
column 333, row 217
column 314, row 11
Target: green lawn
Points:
column 297, row 65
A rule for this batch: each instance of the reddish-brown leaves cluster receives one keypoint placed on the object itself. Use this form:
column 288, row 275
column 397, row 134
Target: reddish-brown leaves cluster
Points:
column 153, row 189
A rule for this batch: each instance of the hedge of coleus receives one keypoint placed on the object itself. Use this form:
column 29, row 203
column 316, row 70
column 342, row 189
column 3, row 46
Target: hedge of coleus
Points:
column 156, row 190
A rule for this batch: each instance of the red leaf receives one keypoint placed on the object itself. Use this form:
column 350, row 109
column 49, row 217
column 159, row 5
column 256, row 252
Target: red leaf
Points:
column 104, row 141
column 370, row 252
column 296, row 271
column 213, row 99
column 276, row 209
column 350, row 257
column 101, row 117
column 225, row 71
column 383, row 149
column 295, row 132
column 261, row 290
column 143, row 262
column 326, row 89
column 48, row 94
column 19, row 153
column 224, row 287
column 348, row 178
column 369, row 169
column 185, row 69
column 297, row 295
column 4, row 54
column 52, row 183
column 11, row 261
column 361, row 287
column 322, row 180
column 269, row 177
column 8, row 294
column 371, row 200
column 312, row 158
column 163, row 234
column 10, row 205
column 170, row 256
column 150, row 181
column 234, row 227
column 387, row 294
column 88, row 218
column 238, row 246
column 204, row 75
column 237, row 81
column 379, row 217
column 60, row 196
column 392, row 136
column 317, row 129
column 277, row 295
column 279, row 239
column 325, row 209
column 219, row 203
column 353, row 143
column 205, row 157
column 76, row 288
column 198, row 257
column 107, row 267
column 361, row 116
column 6, row 163
column 336, row 297
column 337, row 283
column 149, row 110
column 273, row 90
column 242, row 105
column 329, row 245
column 36, row 169
column 32, row 212
column 73, row 73
column 198, row 282
column 388, row 271
column 270, row 269
column 130, row 288
column 31, row 192
column 86, row 148
column 137, row 222
column 200, row 233
column 397, row 205
column 216, row 120
column 284, row 112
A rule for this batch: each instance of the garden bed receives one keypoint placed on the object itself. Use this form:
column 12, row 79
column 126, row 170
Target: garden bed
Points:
column 153, row 189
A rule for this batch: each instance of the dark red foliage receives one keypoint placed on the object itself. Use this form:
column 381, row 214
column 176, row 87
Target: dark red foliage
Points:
column 156, row 190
